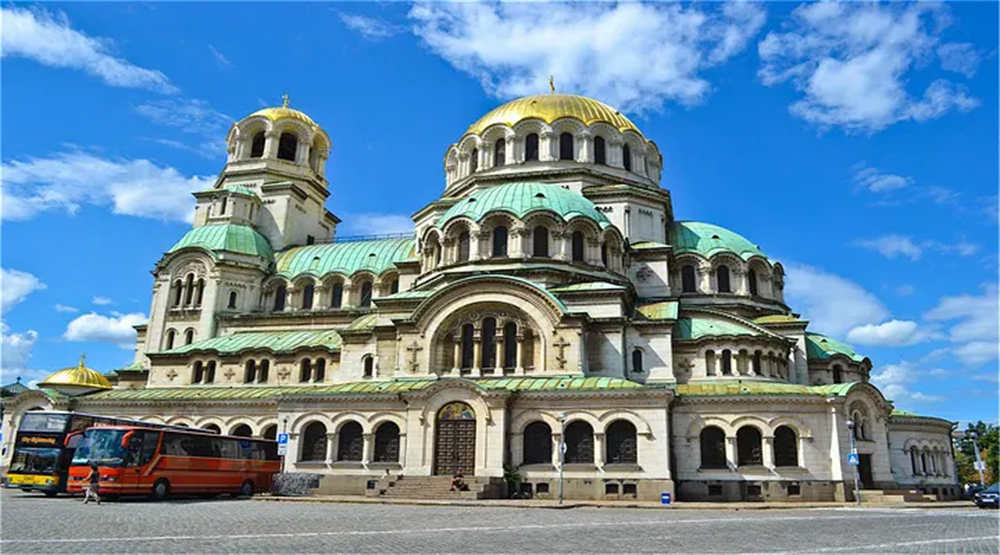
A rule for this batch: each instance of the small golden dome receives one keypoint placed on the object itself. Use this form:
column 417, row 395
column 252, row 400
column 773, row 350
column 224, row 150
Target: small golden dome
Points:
column 281, row 112
column 76, row 379
column 549, row 108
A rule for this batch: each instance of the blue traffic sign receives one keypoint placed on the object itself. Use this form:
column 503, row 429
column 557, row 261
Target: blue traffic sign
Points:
column 282, row 439
column 852, row 458
column 665, row 498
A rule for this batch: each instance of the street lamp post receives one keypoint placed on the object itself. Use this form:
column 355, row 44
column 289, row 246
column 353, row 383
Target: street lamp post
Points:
column 979, row 460
column 851, row 424
column 562, row 453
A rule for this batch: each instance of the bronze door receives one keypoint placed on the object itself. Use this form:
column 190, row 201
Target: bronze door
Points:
column 455, row 448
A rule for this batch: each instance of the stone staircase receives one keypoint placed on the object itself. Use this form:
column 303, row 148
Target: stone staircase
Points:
column 894, row 496
column 435, row 487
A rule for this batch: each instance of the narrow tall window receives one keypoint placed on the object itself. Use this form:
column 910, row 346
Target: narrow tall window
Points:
column 474, row 160
column 225, row 201
column 722, row 279
column 178, row 292
column 305, row 370
column 232, row 299
column 265, row 365
column 713, row 448
column 566, row 146
column 336, row 295
column 279, row 298
column 307, row 296
column 540, row 240
column 748, row 447
column 752, row 282
column 756, row 363
column 627, row 157
column 577, row 239
column 499, row 241
column 604, row 254
column 200, row 292
column 837, row 374
column 687, row 279
column 467, row 346
column 499, row 153
column 189, row 289
column 319, row 370
column 489, row 343
column 727, row 362
column 250, row 372
column 394, row 286
column 210, row 372
column 600, row 151
column 509, row 345
column 463, row 246
column 637, row 360
column 287, row 145
column 531, row 147
column 368, row 366
column 785, row 447
column 257, row 147
column 189, row 337
column 386, row 443
column 366, row 295
column 199, row 372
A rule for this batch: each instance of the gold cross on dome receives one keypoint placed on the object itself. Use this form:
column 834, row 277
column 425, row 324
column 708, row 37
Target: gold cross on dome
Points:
column 284, row 100
column 83, row 360
column 552, row 84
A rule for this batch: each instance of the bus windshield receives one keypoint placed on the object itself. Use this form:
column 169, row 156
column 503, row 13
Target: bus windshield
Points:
column 41, row 422
column 35, row 461
column 101, row 446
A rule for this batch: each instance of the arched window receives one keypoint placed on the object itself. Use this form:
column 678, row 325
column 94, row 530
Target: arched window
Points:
column 748, row 447
column 756, row 363
column 540, row 241
column 368, row 366
column 577, row 239
column 305, row 370
column 727, row 362
column 627, row 157
column 200, row 292
column 474, row 160
column 287, row 145
column 199, row 372
column 687, row 279
column 499, row 241
column 225, row 202
column 270, row 432
column 913, row 461
column 537, row 443
column 499, row 153
column 336, row 295
column 350, row 442
column 710, row 368
column 531, row 147
column 232, row 299
column 566, row 146
column 319, row 370
column 279, row 298
column 837, row 374
column 579, row 443
column 621, row 443
column 722, row 279
column 210, row 372
column 394, row 286
column 786, row 450
column 257, row 147
column 600, row 151
column 188, row 337
column 713, row 448
column 169, row 344
column 637, row 360
column 241, row 430
column 213, row 428
column 489, row 343
column 510, row 345
column 250, row 372
column 387, row 443
column 307, row 296
column 178, row 292
column 604, row 254
column 188, row 289
column 366, row 295
column 923, row 462
column 752, row 281
column 463, row 246
column 468, row 346
column 314, row 442
column 262, row 369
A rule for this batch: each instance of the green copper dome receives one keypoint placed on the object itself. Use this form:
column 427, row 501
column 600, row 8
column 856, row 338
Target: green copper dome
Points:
column 520, row 199
column 708, row 240
column 820, row 347
column 344, row 258
column 240, row 239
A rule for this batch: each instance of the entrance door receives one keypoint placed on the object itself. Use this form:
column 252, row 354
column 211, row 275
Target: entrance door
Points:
column 455, row 446
column 865, row 471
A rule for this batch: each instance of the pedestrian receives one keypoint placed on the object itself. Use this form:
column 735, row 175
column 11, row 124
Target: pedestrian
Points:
column 93, row 484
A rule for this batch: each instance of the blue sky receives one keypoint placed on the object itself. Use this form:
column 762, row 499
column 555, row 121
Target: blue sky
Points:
column 855, row 143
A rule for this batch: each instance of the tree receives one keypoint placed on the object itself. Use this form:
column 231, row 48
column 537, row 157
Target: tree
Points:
column 988, row 440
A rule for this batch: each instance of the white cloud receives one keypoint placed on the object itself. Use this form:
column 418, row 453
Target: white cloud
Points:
column 16, row 286
column 375, row 224
column 48, row 39
column 879, row 182
column 895, row 380
column 851, row 62
column 68, row 179
column 892, row 245
column 974, row 324
column 894, row 333
column 221, row 59
column 101, row 300
column 369, row 27
column 15, row 352
column 634, row 56
column 192, row 117
column 116, row 328
column 831, row 303
column 65, row 308
column 960, row 57
column 976, row 353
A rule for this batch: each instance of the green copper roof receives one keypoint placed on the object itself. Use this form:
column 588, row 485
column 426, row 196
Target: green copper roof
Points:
column 344, row 258
column 820, row 347
column 696, row 328
column 664, row 310
column 520, row 199
column 274, row 341
column 13, row 389
column 134, row 367
column 240, row 189
column 741, row 387
column 587, row 286
column 240, row 239
column 361, row 323
column 361, row 388
column 708, row 240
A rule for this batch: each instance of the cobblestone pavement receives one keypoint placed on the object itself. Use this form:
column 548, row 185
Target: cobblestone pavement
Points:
column 32, row 523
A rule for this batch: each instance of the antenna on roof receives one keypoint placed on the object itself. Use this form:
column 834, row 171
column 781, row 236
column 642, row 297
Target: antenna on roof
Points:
column 284, row 100
column 552, row 85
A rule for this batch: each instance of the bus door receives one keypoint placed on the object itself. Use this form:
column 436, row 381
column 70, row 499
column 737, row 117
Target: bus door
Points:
column 142, row 447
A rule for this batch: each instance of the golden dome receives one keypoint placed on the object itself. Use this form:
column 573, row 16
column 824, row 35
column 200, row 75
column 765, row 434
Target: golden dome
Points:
column 549, row 108
column 76, row 378
column 282, row 112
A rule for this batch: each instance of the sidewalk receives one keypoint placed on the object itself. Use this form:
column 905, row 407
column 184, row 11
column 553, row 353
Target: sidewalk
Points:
column 573, row 504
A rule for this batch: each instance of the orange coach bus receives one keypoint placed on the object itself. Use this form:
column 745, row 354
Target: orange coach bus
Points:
column 137, row 460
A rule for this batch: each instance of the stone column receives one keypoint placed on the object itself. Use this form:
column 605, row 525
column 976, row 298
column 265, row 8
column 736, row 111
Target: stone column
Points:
column 563, row 244
column 599, row 449
column 515, row 242
column 586, row 154
column 545, row 146
column 331, row 447
column 347, row 294
column 463, row 165
column 593, row 253
column 767, row 453
column 556, row 442
column 323, row 157
column 740, row 280
column 477, row 354
column 271, row 144
column 519, row 369
column 457, row 361
column 367, row 448
column 475, row 244
column 614, row 153
column 509, row 148
column 731, row 451
column 302, row 153
column 498, row 363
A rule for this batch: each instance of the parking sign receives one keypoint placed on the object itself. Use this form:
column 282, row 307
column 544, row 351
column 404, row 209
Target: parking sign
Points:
column 282, row 444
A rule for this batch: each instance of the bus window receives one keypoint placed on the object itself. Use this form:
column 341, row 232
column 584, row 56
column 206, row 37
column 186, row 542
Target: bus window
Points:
column 142, row 448
column 104, row 448
column 41, row 422
column 229, row 449
column 80, row 423
column 35, row 461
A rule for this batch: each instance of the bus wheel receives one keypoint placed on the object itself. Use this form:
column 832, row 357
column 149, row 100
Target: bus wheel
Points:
column 50, row 494
column 161, row 489
column 246, row 490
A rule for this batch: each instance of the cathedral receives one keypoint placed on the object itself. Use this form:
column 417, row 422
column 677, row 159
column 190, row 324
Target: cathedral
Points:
column 548, row 317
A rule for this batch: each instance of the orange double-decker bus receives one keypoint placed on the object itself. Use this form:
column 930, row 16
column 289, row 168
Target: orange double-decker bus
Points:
column 137, row 460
